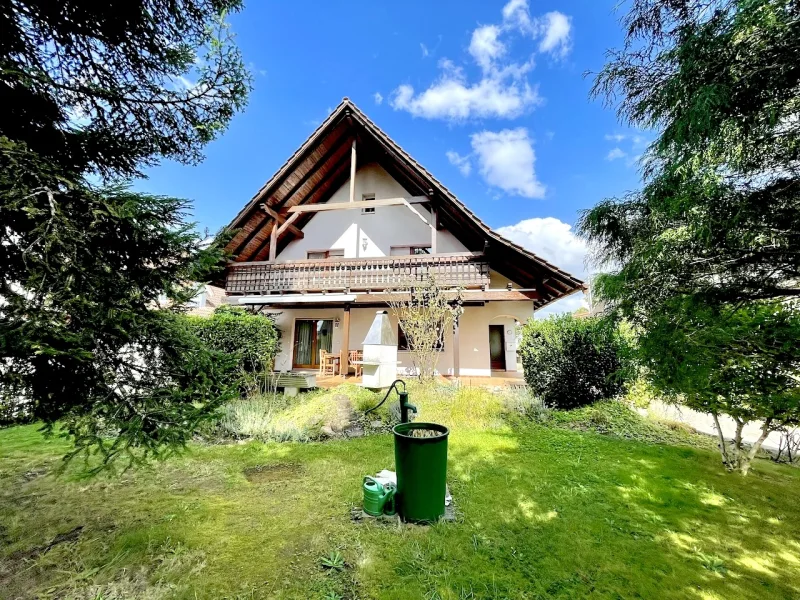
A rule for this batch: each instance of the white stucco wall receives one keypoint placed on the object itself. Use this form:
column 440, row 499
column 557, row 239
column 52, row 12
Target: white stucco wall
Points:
column 388, row 226
column 473, row 330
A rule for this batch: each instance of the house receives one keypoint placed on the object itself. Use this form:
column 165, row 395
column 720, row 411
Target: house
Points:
column 208, row 298
column 350, row 215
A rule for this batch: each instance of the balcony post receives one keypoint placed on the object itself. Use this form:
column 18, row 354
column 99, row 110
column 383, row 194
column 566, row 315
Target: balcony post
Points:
column 344, row 359
column 456, row 350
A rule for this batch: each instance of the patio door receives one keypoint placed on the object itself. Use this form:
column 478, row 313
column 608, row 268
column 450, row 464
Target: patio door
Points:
column 311, row 336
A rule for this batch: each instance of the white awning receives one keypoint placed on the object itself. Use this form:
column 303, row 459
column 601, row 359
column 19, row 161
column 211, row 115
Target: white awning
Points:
column 297, row 298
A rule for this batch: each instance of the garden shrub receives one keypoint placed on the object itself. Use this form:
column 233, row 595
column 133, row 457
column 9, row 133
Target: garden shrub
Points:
column 571, row 362
column 251, row 339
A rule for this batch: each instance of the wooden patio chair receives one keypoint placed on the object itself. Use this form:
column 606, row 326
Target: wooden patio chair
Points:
column 356, row 355
column 327, row 363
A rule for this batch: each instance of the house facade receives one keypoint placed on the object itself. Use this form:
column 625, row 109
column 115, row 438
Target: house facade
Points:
column 351, row 215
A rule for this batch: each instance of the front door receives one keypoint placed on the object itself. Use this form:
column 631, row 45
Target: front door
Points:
column 311, row 336
column 497, row 351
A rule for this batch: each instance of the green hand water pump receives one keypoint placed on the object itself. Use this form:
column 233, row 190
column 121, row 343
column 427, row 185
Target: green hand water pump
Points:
column 404, row 404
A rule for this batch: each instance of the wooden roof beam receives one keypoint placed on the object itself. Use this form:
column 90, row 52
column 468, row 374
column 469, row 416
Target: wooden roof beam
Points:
column 315, row 189
column 304, row 208
column 335, row 147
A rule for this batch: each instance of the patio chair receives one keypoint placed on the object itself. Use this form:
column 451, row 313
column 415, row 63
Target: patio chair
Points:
column 353, row 356
column 327, row 363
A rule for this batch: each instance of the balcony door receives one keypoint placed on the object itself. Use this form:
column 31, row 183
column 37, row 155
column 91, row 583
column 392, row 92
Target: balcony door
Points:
column 311, row 336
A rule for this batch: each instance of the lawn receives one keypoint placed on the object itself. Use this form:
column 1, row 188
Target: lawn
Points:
column 544, row 512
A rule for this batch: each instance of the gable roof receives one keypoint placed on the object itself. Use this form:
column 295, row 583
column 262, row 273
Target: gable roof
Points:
column 322, row 165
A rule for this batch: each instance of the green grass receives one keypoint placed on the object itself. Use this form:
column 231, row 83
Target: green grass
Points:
column 544, row 512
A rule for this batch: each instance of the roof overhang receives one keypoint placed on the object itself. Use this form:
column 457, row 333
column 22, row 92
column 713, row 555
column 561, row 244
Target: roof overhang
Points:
column 322, row 165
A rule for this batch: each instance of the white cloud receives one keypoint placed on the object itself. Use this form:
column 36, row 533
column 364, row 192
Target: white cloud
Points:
column 503, row 90
column 463, row 163
column 555, row 241
column 506, row 161
column 378, row 97
column 424, row 50
column 485, row 47
column 555, row 29
column 615, row 137
column 453, row 99
column 615, row 154
column 517, row 14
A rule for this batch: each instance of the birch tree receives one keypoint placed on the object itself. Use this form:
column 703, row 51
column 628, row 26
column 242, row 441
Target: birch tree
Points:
column 425, row 312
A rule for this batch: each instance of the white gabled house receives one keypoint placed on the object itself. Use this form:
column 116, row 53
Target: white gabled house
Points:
column 350, row 215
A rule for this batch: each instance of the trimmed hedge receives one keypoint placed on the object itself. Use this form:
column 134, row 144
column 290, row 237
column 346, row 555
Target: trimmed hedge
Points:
column 251, row 339
column 571, row 362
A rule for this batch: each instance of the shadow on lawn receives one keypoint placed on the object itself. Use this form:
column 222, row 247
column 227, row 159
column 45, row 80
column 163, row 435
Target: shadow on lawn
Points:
column 544, row 513
column 624, row 519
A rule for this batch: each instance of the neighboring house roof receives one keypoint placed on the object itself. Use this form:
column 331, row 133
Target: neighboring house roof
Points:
column 322, row 165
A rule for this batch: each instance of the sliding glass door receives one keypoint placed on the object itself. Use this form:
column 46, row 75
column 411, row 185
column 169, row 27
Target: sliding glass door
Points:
column 311, row 336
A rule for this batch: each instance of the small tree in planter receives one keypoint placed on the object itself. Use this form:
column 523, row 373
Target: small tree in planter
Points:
column 425, row 310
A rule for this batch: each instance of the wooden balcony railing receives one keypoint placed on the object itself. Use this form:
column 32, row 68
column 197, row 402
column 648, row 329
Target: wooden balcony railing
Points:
column 468, row 270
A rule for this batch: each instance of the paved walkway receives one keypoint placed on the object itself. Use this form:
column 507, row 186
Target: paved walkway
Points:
column 705, row 423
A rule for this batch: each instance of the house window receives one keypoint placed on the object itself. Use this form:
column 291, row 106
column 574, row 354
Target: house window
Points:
column 324, row 254
column 402, row 341
column 369, row 210
column 409, row 250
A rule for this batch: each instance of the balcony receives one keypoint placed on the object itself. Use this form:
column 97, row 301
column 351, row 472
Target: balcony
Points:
column 468, row 270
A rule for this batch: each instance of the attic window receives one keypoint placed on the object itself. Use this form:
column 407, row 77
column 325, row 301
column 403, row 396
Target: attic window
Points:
column 324, row 254
column 369, row 210
column 409, row 250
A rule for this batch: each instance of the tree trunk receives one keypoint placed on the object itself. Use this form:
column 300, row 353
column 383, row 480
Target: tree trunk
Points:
column 737, row 444
column 723, row 450
column 746, row 460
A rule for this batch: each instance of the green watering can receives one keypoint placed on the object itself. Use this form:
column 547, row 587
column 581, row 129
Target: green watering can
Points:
column 378, row 499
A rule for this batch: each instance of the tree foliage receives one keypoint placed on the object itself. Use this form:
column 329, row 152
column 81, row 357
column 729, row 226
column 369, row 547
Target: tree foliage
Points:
column 112, row 86
column 91, row 271
column 720, row 81
column 742, row 362
column 704, row 259
column 571, row 362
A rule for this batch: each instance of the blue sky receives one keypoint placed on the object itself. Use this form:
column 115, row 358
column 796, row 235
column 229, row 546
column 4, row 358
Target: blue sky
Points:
column 490, row 96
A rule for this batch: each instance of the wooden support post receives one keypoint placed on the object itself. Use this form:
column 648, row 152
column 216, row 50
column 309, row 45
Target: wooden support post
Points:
column 273, row 241
column 287, row 225
column 344, row 360
column 353, row 172
column 434, row 227
column 456, row 351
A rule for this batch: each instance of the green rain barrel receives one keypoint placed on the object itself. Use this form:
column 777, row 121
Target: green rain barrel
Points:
column 421, row 464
